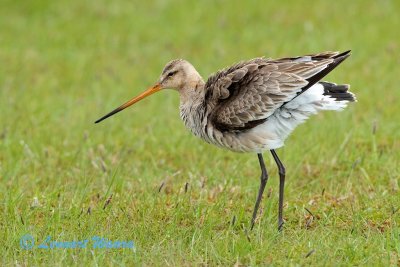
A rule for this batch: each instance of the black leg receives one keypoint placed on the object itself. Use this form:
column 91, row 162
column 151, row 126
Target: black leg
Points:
column 282, row 173
column 263, row 182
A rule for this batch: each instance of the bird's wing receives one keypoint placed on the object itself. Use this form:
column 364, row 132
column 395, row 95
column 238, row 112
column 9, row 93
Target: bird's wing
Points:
column 246, row 94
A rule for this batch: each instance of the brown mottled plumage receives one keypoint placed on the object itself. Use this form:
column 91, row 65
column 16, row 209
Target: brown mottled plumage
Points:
column 253, row 105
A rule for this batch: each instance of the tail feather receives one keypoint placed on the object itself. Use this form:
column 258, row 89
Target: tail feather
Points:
column 340, row 92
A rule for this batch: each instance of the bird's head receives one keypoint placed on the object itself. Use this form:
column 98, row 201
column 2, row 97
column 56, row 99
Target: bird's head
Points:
column 178, row 74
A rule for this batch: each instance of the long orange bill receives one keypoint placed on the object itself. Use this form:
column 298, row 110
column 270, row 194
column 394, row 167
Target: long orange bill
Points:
column 150, row 91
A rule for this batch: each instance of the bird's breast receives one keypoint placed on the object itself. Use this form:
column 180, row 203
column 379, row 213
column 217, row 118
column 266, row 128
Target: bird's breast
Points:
column 195, row 119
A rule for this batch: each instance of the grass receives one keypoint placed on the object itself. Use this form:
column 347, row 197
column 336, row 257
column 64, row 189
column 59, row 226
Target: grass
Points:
column 65, row 64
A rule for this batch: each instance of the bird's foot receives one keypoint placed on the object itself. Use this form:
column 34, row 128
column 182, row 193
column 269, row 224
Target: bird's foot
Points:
column 252, row 224
column 280, row 225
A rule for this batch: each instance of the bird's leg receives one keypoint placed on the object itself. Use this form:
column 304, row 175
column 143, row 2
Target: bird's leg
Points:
column 282, row 173
column 263, row 182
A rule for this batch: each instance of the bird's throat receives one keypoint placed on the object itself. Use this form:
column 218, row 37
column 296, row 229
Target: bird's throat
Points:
column 192, row 92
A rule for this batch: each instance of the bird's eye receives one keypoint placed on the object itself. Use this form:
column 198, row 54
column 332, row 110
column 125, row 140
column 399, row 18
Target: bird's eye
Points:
column 172, row 73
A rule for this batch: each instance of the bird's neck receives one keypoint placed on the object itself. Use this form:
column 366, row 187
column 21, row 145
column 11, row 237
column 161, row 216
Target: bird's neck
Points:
column 192, row 108
column 192, row 92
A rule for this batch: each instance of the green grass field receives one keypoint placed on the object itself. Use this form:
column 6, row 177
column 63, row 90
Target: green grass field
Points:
column 63, row 64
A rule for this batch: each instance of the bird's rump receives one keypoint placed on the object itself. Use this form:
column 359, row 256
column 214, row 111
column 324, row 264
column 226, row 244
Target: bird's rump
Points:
column 246, row 94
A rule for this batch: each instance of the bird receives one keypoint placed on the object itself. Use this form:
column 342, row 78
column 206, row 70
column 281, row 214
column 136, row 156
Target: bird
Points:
column 254, row 105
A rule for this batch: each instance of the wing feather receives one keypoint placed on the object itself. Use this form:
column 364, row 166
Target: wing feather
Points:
column 246, row 94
